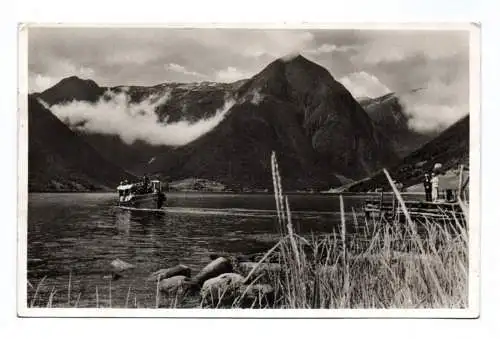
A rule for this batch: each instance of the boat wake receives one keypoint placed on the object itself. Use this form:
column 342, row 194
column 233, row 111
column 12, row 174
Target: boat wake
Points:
column 241, row 212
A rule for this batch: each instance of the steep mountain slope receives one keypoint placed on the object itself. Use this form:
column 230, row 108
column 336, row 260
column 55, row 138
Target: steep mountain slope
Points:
column 58, row 160
column 450, row 148
column 388, row 114
column 341, row 133
column 237, row 152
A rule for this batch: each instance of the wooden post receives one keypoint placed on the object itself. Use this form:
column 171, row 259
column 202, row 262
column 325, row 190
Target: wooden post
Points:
column 393, row 205
column 381, row 202
column 460, row 179
column 465, row 184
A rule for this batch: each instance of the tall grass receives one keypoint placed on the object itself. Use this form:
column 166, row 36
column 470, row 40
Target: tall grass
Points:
column 396, row 267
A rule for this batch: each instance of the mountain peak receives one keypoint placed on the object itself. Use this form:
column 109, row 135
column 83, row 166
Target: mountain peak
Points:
column 72, row 78
column 72, row 88
column 298, row 61
column 293, row 57
column 75, row 80
column 326, row 112
column 291, row 73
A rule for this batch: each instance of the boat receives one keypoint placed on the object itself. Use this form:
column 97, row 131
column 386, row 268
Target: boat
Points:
column 144, row 195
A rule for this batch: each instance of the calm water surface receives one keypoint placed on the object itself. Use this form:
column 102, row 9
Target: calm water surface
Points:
column 83, row 233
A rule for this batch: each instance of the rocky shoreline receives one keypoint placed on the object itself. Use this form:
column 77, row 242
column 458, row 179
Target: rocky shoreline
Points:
column 224, row 281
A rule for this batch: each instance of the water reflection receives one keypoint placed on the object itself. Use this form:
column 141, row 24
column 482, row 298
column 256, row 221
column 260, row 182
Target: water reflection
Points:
column 122, row 222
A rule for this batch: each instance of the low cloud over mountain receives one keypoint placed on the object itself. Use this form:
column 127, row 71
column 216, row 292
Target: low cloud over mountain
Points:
column 115, row 114
column 362, row 84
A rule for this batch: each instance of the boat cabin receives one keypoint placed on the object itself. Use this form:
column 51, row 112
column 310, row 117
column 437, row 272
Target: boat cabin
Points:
column 139, row 191
column 125, row 192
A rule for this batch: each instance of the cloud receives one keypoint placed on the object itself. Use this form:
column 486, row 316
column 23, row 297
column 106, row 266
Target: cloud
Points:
column 257, row 97
column 400, row 45
column 437, row 106
column 231, row 74
column 433, row 117
column 363, row 84
column 400, row 59
column 137, row 57
column 133, row 56
column 114, row 114
column 39, row 82
column 329, row 48
column 181, row 69
column 274, row 43
column 437, row 61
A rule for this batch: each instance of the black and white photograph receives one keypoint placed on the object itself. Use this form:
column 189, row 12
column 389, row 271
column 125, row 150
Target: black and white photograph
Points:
column 248, row 168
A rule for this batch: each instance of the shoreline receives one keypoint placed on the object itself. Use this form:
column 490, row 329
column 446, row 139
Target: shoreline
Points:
column 242, row 193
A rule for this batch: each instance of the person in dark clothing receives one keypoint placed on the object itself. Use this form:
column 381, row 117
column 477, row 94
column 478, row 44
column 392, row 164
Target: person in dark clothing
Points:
column 145, row 184
column 427, row 188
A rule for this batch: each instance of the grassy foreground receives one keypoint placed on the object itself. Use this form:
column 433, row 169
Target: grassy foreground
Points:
column 407, row 264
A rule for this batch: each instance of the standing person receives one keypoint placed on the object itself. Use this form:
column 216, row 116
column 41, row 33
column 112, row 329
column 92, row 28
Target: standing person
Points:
column 435, row 186
column 427, row 187
column 145, row 183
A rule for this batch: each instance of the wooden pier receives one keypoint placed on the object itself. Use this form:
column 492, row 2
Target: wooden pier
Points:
column 445, row 209
column 418, row 210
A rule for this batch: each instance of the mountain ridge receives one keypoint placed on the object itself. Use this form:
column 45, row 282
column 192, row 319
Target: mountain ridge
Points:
column 389, row 114
column 292, row 106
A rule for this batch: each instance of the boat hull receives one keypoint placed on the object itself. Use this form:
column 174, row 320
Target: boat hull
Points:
column 143, row 201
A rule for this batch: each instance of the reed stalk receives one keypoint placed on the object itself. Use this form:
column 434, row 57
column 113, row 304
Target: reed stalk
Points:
column 157, row 296
column 128, row 295
column 415, row 235
column 345, row 263
column 97, row 297
column 69, row 289
column 40, row 283
column 77, row 300
column 110, row 298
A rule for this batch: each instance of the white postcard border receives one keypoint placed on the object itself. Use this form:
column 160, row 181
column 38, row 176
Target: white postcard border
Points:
column 475, row 162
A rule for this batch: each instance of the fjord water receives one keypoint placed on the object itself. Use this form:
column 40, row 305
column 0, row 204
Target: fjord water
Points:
column 82, row 233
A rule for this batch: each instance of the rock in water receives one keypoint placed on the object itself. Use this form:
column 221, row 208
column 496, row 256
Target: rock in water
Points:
column 214, row 256
column 170, row 272
column 256, row 295
column 119, row 265
column 213, row 269
column 222, row 289
column 174, row 285
column 267, row 270
column 243, row 258
column 273, row 257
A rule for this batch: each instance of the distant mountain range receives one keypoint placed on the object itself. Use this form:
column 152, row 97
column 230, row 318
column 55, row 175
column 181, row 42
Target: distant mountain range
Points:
column 321, row 134
column 388, row 114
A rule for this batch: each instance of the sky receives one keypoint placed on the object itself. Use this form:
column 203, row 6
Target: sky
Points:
column 369, row 63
